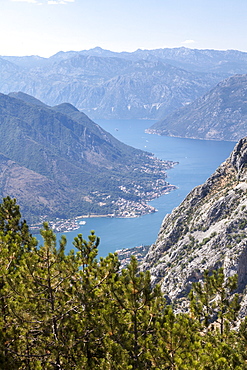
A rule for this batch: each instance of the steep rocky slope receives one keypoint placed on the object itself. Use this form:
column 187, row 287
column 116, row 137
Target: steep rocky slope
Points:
column 207, row 230
column 221, row 114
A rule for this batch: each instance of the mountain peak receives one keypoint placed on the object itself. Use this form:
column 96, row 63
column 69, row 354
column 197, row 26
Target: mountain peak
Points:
column 27, row 98
column 65, row 108
column 88, row 79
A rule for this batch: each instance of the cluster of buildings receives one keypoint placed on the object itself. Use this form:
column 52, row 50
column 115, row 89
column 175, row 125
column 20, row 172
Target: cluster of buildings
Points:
column 128, row 208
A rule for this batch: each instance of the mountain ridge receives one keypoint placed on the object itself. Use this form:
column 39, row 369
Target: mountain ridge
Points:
column 105, row 84
column 207, row 230
column 221, row 114
column 90, row 170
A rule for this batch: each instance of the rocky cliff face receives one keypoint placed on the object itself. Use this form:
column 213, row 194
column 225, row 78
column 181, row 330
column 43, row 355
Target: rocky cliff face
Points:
column 207, row 230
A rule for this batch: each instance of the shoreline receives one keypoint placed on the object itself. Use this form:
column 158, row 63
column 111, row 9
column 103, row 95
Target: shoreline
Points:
column 124, row 209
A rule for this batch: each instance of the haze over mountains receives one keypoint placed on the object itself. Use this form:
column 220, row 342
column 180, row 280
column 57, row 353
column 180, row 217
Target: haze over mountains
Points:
column 221, row 114
column 59, row 163
column 103, row 84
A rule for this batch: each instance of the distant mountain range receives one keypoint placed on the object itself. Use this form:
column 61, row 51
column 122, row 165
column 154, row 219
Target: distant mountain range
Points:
column 59, row 163
column 221, row 114
column 103, row 84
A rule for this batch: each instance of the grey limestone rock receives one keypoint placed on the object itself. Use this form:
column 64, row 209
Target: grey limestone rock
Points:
column 206, row 231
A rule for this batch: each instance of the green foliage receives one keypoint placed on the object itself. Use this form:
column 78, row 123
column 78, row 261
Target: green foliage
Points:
column 211, row 301
column 75, row 311
column 242, row 224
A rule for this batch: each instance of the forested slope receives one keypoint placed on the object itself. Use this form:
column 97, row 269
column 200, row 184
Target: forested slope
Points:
column 72, row 166
column 76, row 312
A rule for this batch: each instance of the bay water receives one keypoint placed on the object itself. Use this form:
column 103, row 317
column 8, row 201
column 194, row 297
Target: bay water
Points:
column 197, row 159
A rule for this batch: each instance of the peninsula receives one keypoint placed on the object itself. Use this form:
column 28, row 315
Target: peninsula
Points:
column 59, row 164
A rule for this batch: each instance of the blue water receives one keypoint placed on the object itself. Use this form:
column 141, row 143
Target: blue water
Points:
column 197, row 159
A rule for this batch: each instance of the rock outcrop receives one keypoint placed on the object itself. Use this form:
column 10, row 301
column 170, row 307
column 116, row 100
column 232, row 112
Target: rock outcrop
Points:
column 206, row 231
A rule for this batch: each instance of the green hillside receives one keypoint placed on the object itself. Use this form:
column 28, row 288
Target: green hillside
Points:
column 83, row 166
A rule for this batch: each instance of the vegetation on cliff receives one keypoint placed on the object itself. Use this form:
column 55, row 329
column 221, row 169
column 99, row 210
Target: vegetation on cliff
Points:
column 73, row 311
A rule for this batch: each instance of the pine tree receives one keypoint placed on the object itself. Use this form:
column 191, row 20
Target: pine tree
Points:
column 225, row 304
column 15, row 241
column 215, row 307
column 92, row 282
column 42, row 305
column 212, row 302
column 73, row 311
column 132, row 315
column 201, row 296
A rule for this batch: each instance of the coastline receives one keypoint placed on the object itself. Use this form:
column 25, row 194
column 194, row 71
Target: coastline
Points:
column 124, row 209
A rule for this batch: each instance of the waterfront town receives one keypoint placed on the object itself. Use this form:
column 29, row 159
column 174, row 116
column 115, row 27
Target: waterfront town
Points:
column 123, row 209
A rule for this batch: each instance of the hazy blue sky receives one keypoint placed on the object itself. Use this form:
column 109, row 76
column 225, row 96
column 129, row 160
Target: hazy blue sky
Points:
column 44, row 27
